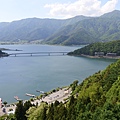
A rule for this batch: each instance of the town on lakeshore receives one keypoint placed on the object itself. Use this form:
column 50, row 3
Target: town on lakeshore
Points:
column 60, row 95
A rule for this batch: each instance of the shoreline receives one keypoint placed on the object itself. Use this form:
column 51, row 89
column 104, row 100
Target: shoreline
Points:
column 37, row 43
column 98, row 57
column 61, row 95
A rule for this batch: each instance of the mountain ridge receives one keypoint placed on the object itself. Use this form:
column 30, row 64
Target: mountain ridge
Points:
column 99, row 28
column 72, row 31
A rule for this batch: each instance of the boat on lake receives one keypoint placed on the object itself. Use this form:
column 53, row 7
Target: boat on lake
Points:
column 40, row 91
column 30, row 95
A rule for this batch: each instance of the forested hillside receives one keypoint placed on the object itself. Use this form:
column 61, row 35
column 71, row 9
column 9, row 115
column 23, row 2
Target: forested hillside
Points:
column 97, row 29
column 32, row 29
column 96, row 98
column 28, row 29
column 107, row 47
column 74, row 31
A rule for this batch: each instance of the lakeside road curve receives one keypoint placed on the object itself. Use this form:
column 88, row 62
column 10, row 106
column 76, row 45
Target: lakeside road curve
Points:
column 60, row 96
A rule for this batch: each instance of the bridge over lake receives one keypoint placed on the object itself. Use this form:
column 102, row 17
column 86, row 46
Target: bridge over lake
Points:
column 39, row 54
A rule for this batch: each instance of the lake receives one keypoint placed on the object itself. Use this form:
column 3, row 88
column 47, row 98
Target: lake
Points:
column 26, row 74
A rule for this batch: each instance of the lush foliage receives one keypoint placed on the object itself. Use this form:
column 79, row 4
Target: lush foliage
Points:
column 96, row 98
column 107, row 47
column 33, row 28
column 97, row 29
column 73, row 31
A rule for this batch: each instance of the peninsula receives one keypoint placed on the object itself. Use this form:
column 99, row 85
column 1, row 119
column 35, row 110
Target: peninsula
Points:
column 3, row 54
column 99, row 50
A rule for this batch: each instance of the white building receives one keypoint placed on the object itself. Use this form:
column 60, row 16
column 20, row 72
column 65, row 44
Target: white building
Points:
column 0, row 102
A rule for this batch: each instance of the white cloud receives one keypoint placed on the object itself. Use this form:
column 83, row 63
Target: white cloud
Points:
column 109, row 6
column 81, row 7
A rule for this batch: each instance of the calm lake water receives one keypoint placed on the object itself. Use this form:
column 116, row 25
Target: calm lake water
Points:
column 26, row 74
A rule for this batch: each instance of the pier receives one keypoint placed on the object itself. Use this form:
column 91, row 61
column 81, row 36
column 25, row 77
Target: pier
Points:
column 16, row 97
column 40, row 91
column 30, row 95
column 39, row 54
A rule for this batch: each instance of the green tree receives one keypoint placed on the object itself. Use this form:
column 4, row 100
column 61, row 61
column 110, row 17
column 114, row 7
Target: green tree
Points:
column 71, row 114
column 38, row 113
column 60, row 112
column 74, row 85
column 20, row 111
column 50, row 115
column 5, row 103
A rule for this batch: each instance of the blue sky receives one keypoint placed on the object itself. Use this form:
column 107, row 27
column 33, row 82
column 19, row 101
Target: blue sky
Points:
column 11, row 10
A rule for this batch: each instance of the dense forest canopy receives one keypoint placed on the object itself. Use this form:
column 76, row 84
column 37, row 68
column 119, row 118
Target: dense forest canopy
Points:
column 96, row 98
column 107, row 47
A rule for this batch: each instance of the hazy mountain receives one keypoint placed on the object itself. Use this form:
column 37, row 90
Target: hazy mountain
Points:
column 29, row 29
column 103, row 28
column 33, row 28
column 73, row 31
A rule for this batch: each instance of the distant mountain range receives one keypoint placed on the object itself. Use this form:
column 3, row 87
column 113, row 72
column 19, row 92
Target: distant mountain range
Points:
column 73, row 31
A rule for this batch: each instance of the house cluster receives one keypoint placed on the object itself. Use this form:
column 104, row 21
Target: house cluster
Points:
column 101, row 54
